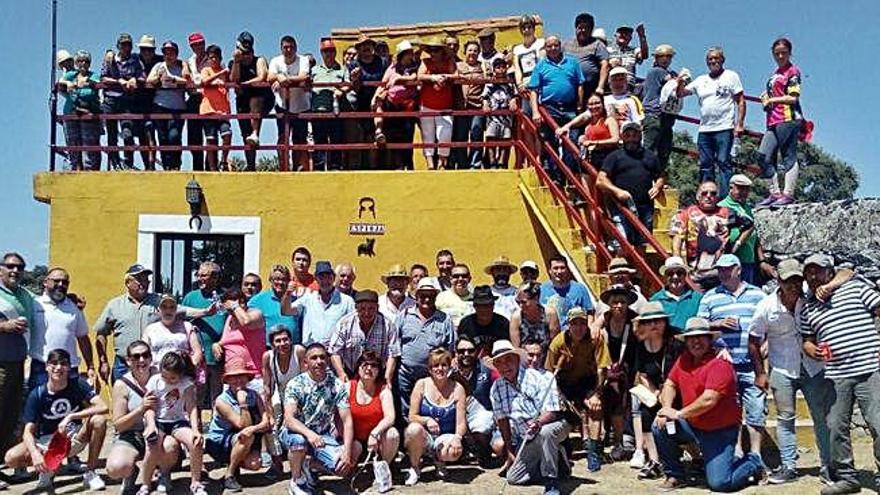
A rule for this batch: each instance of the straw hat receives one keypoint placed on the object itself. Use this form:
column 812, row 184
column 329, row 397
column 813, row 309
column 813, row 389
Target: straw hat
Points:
column 695, row 327
column 500, row 262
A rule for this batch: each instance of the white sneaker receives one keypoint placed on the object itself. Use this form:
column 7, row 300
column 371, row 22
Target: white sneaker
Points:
column 253, row 139
column 197, row 488
column 442, row 472
column 638, row 460
column 164, row 482
column 93, row 481
column 298, row 487
column 412, row 477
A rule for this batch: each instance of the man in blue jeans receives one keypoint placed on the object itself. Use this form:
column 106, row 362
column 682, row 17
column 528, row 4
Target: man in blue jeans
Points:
column 557, row 84
column 722, row 116
column 775, row 320
column 709, row 416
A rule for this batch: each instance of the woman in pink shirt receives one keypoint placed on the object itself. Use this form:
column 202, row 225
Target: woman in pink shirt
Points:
column 781, row 101
column 244, row 335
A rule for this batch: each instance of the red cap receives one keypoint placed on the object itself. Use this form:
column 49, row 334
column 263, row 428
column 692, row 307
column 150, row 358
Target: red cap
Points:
column 327, row 44
column 56, row 451
column 196, row 38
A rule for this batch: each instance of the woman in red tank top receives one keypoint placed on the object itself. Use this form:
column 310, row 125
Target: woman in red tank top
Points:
column 436, row 75
column 601, row 135
column 372, row 408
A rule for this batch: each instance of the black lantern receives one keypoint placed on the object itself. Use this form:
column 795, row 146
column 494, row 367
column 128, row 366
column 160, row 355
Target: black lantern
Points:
column 194, row 197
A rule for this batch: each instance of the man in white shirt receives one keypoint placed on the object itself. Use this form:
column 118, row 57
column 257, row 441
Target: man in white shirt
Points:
column 776, row 319
column 58, row 324
column 289, row 75
column 395, row 301
column 722, row 116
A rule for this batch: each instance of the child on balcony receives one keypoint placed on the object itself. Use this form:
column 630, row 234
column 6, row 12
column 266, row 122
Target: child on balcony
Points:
column 215, row 101
column 499, row 95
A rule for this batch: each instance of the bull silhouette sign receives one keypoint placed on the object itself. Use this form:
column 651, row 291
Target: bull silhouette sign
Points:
column 366, row 225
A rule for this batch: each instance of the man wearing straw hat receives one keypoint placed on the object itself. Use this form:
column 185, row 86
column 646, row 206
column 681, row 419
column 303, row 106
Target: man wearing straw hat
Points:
column 709, row 415
column 679, row 301
column 501, row 269
column 395, row 300
column 527, row 408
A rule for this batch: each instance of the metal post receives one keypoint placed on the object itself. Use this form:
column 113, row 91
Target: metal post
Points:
column 53, row 98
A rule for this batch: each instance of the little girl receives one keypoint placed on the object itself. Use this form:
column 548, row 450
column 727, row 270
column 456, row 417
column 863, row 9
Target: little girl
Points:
column 176, row 415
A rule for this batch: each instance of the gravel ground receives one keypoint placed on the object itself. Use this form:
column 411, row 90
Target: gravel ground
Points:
column 470, row 479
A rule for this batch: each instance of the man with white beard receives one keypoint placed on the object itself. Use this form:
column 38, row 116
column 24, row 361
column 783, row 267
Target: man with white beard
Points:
column 58, row 324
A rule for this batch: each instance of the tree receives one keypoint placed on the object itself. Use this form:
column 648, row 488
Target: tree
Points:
column 32, row 280
column 823, row 177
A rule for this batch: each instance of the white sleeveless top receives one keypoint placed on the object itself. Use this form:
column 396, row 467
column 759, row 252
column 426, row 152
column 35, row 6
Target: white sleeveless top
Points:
column 281, row 378
column 163, row 340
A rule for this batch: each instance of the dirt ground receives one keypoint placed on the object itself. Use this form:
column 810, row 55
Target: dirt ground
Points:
column 471, row 479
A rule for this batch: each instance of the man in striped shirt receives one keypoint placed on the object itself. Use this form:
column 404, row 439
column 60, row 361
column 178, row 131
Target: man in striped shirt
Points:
column 729, row 309
column 839, row 329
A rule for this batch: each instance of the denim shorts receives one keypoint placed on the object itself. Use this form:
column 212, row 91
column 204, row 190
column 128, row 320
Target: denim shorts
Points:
column 752, row 398
column 169, row 427
column 435, row 443
column 219, row 447
column 327, row 456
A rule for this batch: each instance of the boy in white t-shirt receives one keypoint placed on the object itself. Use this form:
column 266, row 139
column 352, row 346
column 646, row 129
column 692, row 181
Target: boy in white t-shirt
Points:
column 722, row 117
column 175, row 416
column 289, row 74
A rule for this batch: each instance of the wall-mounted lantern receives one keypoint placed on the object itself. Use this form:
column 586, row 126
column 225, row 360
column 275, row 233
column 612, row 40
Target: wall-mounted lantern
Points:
column 195, row 198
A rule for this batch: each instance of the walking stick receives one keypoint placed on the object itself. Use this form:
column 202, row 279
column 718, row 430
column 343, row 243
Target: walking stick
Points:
column 559, row 363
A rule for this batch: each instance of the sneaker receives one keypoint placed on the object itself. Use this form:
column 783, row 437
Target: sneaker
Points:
column 230, row 484
column 129, row 483
column 783, row 200
column 651, row 471
column 92, row 481
column 784, row 475
column 841, row 487
column 45, row 483
column 197, row 488
column 412, row 477
column 144, row 490
column 163, row 482
column 298, row 487
column 551, row 487
column 769, row 200
column 670, row 484
column 594, row 462
column 273, row 473
column 442, row 472
column 3, row 486
column 253, row 139
column 638, row 460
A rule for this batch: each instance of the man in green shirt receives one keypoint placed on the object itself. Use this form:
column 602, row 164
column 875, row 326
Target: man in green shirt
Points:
column 210, row 328
column 743, row 236
column 679, row 301
column 327, row 99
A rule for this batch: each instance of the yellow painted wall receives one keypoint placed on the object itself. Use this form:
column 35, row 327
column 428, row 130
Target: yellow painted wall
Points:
column 476, row 214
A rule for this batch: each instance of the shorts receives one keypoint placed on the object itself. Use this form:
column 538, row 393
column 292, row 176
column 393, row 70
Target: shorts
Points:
column 298, row 126
column 169, row 427
column 133, row 439
column 327, row 456
column 219, row 447
column 498, row 130
column 436, row 443
column 578, row 392
column 75, row 447
column 214, row 126
column 613, row 401
column 752, row 398
column 479, row 419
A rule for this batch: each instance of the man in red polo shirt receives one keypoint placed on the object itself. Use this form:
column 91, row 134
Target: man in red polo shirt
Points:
column 709, row 415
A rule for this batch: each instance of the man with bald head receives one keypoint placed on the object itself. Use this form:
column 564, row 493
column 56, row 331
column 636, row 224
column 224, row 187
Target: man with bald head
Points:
column 557, row 85
column 345, row 277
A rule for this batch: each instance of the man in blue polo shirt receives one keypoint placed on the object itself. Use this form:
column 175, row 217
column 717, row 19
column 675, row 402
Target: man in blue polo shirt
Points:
column 730, row 308
column 557, row 84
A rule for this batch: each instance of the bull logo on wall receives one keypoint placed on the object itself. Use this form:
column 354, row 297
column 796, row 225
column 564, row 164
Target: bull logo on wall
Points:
column 364, row 227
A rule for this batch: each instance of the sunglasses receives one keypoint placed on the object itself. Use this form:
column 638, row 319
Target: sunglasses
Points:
column 467, row 350
column 60, row 364
column 137, row 356
column 369, row 364
column 460, row 275
column 14, row 266
column 708, row 193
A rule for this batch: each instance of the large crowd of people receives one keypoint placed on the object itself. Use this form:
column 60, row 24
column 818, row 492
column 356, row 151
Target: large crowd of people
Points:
column 588, row 84
column 313, row 377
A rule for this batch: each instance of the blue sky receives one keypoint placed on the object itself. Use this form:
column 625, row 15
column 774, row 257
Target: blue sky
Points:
column 831, row 45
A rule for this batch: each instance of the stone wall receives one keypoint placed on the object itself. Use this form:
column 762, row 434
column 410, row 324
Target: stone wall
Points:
column 847, row 230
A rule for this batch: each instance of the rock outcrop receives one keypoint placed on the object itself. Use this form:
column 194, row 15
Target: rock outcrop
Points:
column 847, row 230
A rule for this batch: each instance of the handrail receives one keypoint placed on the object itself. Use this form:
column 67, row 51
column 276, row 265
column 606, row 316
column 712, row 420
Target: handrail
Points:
column 600, row 220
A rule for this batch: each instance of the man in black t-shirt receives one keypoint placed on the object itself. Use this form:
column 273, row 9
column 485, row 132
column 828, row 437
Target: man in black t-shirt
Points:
column 635, row 177
column 484, row 326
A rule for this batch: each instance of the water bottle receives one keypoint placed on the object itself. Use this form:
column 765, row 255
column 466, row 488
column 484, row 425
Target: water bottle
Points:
column 335, row 106
column 736, row 148
column 274, row 445
column 382, row 475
